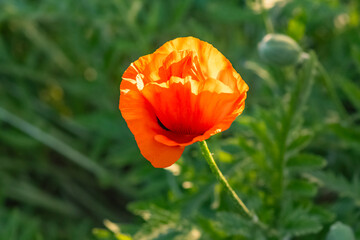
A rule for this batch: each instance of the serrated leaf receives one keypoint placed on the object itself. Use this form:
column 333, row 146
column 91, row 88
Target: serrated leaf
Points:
column 340, row 185
column 306, row 162
column 193, row 204
column 300, row 141
column 299, row 222
column 149, row 211
column 340, row 231
column 247, row 146
column 301, row 188
column 155, row 229
column 160, row 223
column 304, row 227
column 262, row 132
column 323, row 214
column 232, row 224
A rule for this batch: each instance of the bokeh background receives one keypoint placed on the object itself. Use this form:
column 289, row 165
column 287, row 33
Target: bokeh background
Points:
column 68, row 161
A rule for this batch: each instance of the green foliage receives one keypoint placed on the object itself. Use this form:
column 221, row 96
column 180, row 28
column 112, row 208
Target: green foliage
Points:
column 340, row 185
column 306, row 162
column 340, row 231
column 233, row 224
column 299, row 222
column 68, row 160
column 16, row 224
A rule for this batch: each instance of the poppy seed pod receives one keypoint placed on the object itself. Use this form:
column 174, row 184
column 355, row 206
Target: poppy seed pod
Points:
column 279, row 49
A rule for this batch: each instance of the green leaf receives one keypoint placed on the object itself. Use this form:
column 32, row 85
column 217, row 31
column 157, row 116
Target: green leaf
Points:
column 160, row 223
column 15, row 225
column 102, row 234
column 299, row 222
column 30, row 194
column 340, row 231
column 262, row 132
column 262, row 73
column 39, row 39
column 115, row 229
column 305, row 226
column 300, row 141
column 349, row 133
column 355, row 52
column 340, row 185
column 325, row 215
column 155, row 230
column 232, row 224
column 306, row 162
column 352, row 91
column 301, row 188
column 296, row 29
column 190, row 234
column 227, row 12
column 52, row 142
column 151, row 211
column 120, row 236
column 224, row 156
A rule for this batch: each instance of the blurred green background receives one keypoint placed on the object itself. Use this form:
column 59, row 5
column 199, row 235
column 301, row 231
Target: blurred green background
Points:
column 68, row 160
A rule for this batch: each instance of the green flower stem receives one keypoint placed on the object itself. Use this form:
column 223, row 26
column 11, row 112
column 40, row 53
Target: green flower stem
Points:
column 245, row 211
column 267, row 21
column 215, row 169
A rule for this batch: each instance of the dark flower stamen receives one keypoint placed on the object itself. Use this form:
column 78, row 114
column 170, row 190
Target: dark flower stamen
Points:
column 162, row 125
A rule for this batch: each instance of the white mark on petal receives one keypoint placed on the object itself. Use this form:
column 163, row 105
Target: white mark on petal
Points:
column 133, row 81
column 133, row 66
column 217, row 131
column 139, row 81
column 124, row 91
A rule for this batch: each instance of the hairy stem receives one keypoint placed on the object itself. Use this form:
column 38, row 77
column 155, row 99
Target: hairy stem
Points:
column 215, row 169
column 245, row 211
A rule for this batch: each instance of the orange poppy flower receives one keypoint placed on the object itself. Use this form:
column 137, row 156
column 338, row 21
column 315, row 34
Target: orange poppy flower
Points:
column 186, row 91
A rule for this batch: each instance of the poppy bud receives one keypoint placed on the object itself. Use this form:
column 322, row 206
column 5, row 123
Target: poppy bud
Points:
column 279, row 49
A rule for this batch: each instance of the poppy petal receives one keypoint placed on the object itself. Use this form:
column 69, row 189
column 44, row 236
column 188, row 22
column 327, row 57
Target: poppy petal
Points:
column 143, row 125
column 188, row 111
column 211, row 60
column 186, row 91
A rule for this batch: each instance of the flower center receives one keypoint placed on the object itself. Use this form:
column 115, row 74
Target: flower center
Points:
column 161, row 124
column 185, row 106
